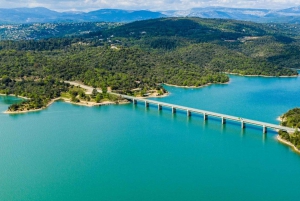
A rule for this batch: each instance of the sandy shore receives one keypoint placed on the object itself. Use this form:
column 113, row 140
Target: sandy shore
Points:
column 88, row 103
column 82, row 103
column 35, row 110
column 288, row 143
column 25, row 111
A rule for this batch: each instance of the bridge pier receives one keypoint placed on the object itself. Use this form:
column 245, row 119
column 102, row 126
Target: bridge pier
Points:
column 223, row 120
column 204, row 116
column 188, row 113
column 265, row 126
column 242, row 124
column 264, row 129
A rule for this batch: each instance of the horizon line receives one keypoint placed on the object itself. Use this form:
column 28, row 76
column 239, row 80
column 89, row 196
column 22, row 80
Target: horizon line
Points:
column 152, row 10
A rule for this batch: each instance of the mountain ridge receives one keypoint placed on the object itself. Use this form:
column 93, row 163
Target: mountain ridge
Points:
column 44, row 15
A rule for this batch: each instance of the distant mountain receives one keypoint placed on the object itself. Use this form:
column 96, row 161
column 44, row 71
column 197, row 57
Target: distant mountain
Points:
column 43, row 15
column 229, row 13
column 27, row 15
column 293, row 10
column 290, row 15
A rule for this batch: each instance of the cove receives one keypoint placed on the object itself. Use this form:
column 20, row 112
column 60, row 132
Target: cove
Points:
column 128, row 152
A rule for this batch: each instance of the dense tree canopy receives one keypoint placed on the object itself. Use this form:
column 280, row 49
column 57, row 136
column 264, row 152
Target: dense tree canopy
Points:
column 144, row 54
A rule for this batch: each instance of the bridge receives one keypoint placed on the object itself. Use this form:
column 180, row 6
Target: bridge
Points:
column 223, row 117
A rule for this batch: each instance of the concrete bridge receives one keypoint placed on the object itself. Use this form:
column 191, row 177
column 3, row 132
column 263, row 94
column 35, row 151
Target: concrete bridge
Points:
column 223, row 117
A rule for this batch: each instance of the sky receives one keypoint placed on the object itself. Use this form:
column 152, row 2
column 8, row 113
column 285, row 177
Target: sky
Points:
column 155, row 5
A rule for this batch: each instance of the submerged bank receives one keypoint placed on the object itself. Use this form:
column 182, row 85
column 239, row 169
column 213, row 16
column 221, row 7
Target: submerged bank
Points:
column 283, row 141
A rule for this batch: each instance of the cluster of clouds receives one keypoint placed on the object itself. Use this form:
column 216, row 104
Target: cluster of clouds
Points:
column 159, row 5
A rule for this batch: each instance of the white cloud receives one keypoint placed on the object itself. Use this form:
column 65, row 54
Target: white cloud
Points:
column 87, row 5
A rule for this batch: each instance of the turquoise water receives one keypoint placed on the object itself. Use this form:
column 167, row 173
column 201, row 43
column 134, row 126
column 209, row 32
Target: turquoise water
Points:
column 127, row 152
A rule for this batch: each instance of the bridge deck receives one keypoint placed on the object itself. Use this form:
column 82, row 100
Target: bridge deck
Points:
column 204, row 112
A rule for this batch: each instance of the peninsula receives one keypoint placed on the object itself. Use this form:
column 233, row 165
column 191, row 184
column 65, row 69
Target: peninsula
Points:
column 75, row 93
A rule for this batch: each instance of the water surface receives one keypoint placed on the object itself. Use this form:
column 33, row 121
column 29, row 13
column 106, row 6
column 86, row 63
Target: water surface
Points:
column 127, row 152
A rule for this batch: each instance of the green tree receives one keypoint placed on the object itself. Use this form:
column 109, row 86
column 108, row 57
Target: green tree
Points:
column 98, row 98
column 94, row 93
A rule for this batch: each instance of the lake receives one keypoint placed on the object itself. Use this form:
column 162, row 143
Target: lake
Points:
column 126, row 152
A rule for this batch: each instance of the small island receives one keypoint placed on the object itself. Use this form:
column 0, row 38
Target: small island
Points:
column 291, row 119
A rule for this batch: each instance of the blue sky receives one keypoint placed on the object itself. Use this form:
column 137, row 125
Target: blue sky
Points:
column 88, row 5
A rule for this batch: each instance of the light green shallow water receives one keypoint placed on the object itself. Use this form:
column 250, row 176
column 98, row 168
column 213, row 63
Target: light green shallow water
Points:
column 69, row 152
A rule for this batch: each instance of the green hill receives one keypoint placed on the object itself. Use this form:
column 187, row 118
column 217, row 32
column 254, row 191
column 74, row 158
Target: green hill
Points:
column 144, row 54
column 225, row 45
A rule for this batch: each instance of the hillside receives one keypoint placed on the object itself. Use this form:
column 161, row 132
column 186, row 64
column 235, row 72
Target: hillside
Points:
column 39, row 31
column 243, row 43
column 142, row 55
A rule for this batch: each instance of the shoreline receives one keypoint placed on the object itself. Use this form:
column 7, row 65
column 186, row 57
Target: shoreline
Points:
column 285, row 142
column 87, row 103
column 266, row 76
column 15, row 96
column 34, row 110
column 194, row 87
column 279, row 119
column 294, row 148
column 208, row 84
column 66, row 100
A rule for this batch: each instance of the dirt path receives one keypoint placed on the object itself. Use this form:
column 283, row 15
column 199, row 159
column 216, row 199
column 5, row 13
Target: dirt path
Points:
column 88, row 89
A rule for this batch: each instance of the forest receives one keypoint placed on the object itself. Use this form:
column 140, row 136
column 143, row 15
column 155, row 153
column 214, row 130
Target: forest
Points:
column 38, row 92
column 144, row 55
column 291, row 118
